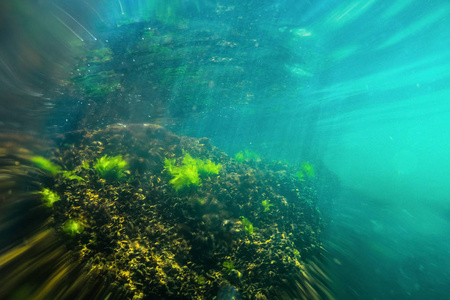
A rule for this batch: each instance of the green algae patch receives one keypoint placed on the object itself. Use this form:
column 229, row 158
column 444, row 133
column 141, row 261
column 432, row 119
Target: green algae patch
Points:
column 45, row 164
column 73, row 228
column 306, row 171
column 111, row 167
column 189, row 172
column 247, row 156
column 49, row 197
column 266, row 205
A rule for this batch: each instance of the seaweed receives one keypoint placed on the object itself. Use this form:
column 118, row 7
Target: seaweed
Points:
column 247, row 224
column 71, row 176
column 189, row 172
column 266, row 205
column 207, row 167
column 228, row 265
column 184, row 177
column 73, row 228
column 46, row 165
column 49, row 197
column 111, row 167
column 247, row 156
column 306, row 171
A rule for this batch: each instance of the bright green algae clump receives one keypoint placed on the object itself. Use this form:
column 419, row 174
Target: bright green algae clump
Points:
column 49, row 197
column 46, row 165
column 247, row 155
column 73, row 228
column 266, row 204
column 188, row 174
column 111, row 167
column 306, row 171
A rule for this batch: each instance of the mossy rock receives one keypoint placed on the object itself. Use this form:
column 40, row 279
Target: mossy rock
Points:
column 152, row 240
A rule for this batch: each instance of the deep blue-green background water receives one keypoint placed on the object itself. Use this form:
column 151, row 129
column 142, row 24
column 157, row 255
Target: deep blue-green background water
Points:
column 362, row 86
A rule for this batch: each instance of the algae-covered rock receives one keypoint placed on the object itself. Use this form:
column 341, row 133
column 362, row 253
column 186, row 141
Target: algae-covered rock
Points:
column 152, row 240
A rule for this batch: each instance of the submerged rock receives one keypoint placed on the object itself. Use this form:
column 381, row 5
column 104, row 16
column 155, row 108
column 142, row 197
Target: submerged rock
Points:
column 228, row 293
column 143, row 238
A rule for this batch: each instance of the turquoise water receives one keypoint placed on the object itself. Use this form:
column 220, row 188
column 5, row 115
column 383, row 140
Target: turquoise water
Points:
column 358, row 86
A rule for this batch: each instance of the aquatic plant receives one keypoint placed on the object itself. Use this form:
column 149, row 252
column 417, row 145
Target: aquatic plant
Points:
column 170, row 165
column 185, row 176
column 231, row 271
column 201, row 201
column 85, row 165
column 207, row 167
column 228, row 265
column 46, row 165
column 306, row 171
column 266, row 205
column 49, row 197
column 247, row 224
column 239, row 157
column 246, row 155
column 189, row 172
column 96, row 84
column 100, row 55
column 111, row 167
column 200, row 279
column 73, row 228
column 71, row 176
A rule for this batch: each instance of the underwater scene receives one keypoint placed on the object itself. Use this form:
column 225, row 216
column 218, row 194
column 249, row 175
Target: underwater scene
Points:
column 223, row 149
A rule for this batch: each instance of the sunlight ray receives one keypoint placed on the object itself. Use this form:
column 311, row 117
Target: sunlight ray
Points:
column 79, row 24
